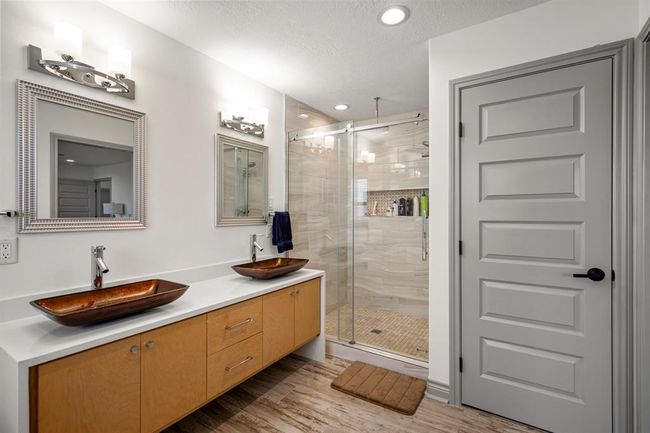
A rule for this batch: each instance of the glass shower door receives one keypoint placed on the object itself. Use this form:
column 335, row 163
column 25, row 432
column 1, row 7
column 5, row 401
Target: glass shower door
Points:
column 320, row 167
column 391, row 180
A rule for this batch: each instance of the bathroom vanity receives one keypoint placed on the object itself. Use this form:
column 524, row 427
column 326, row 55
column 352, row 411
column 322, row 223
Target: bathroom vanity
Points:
column 142, row 373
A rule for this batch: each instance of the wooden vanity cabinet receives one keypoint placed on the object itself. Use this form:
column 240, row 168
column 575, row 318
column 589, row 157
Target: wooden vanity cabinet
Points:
column 146, row 382
column 307, row 312
column 279, row 324
column 291, row 319
column 96, row 391
column 173, row 364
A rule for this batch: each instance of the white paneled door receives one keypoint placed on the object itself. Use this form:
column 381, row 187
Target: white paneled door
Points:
column 536, row 226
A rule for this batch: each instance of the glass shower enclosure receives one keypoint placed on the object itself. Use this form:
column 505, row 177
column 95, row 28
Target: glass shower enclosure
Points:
column 358, row 198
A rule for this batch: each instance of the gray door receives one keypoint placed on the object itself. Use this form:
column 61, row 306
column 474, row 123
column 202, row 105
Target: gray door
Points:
column 76, row 198
column 536, row 209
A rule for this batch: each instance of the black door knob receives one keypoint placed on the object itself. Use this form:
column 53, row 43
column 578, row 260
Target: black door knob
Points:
column 594, row 274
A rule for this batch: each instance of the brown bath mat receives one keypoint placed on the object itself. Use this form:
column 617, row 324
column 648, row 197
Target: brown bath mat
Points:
column 386, row 388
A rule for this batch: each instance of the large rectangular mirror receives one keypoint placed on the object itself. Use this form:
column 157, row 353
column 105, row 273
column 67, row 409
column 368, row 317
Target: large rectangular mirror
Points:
column 242, row 182
column 80, row 163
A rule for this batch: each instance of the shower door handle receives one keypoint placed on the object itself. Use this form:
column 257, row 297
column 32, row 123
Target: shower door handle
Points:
column 425, row 242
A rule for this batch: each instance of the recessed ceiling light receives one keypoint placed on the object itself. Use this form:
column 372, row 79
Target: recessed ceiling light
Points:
column 303, row 116
column 394, row 15
column 341, row 107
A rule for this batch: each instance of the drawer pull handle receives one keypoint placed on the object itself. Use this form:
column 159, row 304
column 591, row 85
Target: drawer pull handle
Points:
column 150, row 344
column 134, row 349
column 239, row 364
column 238, row 324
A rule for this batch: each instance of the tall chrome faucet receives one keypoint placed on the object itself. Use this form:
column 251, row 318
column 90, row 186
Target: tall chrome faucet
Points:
column 254, row 247
column 98, row 266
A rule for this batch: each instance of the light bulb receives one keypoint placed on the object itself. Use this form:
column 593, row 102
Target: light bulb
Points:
column 119, row 62
column 68, row 41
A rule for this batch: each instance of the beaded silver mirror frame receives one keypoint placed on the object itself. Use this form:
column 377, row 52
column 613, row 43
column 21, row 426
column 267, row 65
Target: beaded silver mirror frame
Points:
column 28, row 94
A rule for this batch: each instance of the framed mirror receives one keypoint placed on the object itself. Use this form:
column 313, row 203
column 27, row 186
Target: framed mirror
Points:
column 242, row 182
column 80, row 163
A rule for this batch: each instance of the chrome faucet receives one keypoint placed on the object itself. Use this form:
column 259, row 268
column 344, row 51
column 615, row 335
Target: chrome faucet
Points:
column 98, row 266
column 254, row 247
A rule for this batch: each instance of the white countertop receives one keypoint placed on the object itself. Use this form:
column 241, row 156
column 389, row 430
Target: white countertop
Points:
column 34, row 340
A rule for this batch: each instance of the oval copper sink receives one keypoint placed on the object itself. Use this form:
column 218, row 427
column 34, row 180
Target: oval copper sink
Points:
column 94, row 306
column 270, row 268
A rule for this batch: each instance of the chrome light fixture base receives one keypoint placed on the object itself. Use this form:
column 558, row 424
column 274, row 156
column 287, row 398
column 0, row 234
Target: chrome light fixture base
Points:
column 72, row 70
column 237, row 123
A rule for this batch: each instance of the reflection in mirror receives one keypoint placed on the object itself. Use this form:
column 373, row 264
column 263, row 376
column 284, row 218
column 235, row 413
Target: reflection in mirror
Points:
column 81, row 163
column 89, row 158
column 91, row 180
column 242, row 185
column 242, row 188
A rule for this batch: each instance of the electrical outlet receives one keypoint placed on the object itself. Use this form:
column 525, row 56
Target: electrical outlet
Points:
column 8, row 251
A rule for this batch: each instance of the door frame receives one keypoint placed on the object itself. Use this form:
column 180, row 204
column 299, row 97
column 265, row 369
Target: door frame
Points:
column 621, row 54
column 642, row 245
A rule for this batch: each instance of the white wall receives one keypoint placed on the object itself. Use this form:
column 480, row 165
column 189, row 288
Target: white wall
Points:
column 552, row 28
column 121, row 176
column 644, row 12
column 182, row 92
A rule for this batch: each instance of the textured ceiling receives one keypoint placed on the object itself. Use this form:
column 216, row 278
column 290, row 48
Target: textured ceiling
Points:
column 322, row 52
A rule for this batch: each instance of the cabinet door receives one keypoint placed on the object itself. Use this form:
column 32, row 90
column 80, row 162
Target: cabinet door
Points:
column 278, row 317
column 307, row 311
column 173, row 372
column 96, row 391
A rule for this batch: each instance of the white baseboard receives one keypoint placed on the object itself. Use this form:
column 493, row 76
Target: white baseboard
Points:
column 437, row 391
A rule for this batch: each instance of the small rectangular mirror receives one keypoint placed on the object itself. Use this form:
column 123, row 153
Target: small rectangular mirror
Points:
column 242, row 182
column 81, row 167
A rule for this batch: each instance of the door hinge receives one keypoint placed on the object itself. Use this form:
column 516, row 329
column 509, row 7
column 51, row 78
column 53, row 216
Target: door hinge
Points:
column 460, row 248
column 460, row 129
column 613, row 275
column 460, row 364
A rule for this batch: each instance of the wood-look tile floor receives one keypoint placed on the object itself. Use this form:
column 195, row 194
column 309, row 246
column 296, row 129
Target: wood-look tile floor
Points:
column 400, row 333
column 294, row 396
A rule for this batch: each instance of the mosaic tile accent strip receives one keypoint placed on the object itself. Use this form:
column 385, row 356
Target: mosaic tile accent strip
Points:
column 385, row 198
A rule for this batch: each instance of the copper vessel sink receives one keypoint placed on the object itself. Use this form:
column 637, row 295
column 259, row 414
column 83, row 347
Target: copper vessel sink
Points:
column 270, row 268
column 93, row 306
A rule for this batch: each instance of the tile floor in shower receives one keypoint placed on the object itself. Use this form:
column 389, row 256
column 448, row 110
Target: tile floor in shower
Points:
column 391, row 331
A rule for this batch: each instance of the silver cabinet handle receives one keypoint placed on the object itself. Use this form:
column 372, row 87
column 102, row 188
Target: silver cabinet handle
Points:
column 238, row 324
column 240, row 363
column 150, row 344
column 134, row 349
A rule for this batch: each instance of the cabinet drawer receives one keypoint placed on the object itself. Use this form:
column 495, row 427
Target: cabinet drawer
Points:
column 234, row 364
column 233, row 324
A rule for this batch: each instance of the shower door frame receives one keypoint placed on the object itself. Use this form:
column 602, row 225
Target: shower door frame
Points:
column 351, row 129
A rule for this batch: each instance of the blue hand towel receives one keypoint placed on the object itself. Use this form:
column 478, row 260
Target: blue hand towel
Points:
column 282, row 237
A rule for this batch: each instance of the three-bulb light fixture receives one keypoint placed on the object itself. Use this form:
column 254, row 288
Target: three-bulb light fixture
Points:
column 68, row 44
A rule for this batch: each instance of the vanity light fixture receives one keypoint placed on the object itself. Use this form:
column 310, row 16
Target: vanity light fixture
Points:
column 249, row 121
column 394, row 15
column 341, row 107
column 68, row 41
